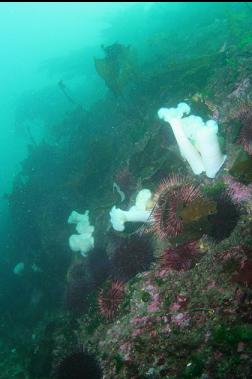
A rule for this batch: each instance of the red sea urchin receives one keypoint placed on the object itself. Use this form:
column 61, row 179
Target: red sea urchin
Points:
column 109, row 299
column 180, row 258
column 174, row 194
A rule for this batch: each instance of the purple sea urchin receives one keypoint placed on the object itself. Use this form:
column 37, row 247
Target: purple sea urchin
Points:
column 78, row 287
column 78, row 365
column 130, row 255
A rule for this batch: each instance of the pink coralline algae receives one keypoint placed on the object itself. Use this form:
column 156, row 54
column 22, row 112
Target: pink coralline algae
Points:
column 149, row 325
column 126, row 351
column 181, row 320
column 175, row 307
column 181, row 299
column 155, row 304
column 126, row 348
column 153, row 333
column 139, row 320
column 238, row 192
column 180, row 302
column 240, row 89
column 138, row 332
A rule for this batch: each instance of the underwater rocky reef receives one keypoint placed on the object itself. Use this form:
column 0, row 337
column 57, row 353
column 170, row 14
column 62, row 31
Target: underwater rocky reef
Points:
column 170, row 297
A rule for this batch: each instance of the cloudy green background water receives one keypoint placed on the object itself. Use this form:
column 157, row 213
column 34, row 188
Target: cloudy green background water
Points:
column 44, row 43
column 67, row 133
column 40, row 45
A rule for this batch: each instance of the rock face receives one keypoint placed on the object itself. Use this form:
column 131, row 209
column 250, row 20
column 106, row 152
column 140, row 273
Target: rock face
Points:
column 196, row 314
column 171, row 298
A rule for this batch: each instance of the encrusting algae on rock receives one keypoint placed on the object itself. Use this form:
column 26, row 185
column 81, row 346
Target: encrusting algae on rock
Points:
column 158, row 282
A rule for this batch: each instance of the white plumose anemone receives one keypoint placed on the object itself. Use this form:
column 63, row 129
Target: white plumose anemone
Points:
column 198, row 141
column 140, row 212
column 84, row 240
